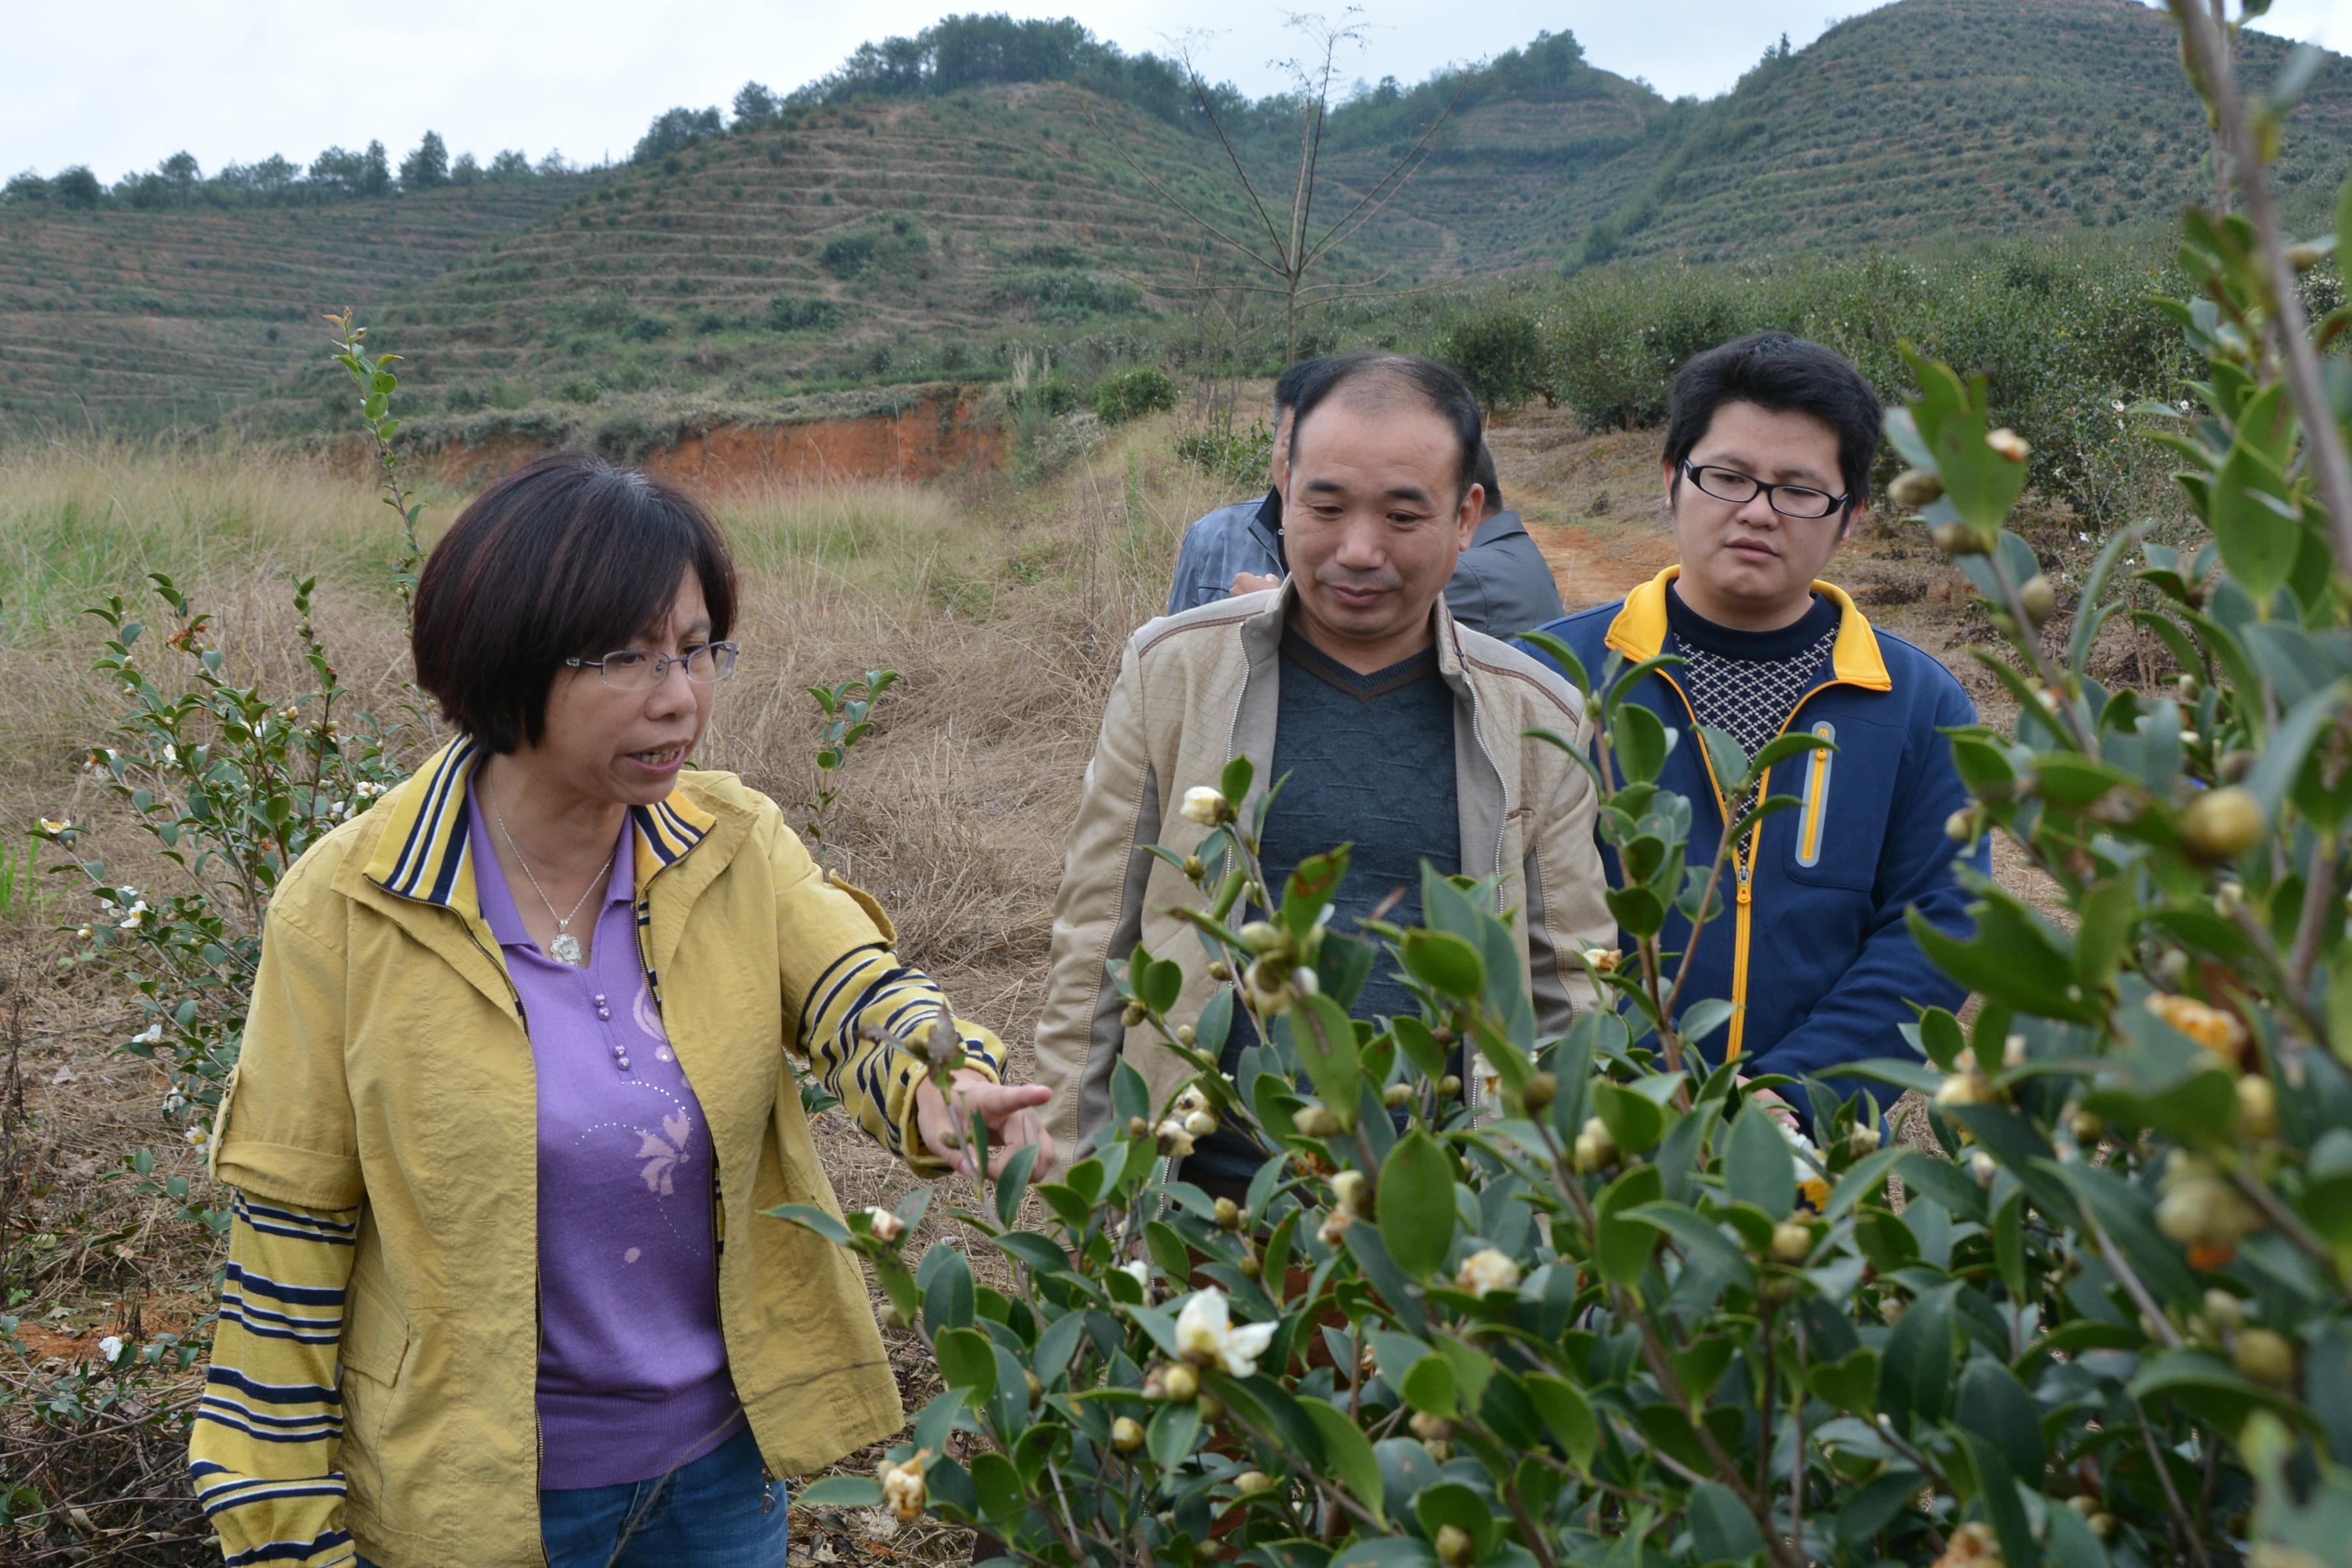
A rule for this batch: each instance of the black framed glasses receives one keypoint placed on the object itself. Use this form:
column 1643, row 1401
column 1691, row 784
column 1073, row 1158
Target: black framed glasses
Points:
column 1789, row 501
column 642, row 669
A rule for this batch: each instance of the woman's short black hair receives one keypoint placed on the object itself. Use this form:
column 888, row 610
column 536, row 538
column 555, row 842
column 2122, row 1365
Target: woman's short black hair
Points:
column 567, row 557
column 1408, row 377
column 1783, row 373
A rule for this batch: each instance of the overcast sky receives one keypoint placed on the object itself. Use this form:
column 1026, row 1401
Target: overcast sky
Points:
column 121, row 84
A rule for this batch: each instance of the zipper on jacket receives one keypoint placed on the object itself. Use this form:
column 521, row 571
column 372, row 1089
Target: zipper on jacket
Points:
column 1743, row 859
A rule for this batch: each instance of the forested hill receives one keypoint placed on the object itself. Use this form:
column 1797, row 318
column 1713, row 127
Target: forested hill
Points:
column 945, row 204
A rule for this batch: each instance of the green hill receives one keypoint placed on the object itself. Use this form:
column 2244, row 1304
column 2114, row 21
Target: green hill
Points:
column 927, row 213
column 893, row 242
column 1940, row 119
column 131, row 320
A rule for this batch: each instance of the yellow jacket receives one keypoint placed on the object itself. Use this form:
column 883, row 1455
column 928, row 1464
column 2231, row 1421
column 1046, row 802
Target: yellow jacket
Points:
column 374, row 1369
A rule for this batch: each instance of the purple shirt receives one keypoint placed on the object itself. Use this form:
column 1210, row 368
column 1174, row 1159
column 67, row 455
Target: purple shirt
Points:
column 633, row 1377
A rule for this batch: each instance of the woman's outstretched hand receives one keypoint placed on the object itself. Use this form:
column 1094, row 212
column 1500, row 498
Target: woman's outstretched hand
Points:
column 1014, row 1113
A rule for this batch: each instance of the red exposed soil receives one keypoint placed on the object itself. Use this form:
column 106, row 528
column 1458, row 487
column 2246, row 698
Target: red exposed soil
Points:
column 925, row 440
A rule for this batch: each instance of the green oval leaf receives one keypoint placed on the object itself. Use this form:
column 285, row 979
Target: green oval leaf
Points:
column 1416, row 1204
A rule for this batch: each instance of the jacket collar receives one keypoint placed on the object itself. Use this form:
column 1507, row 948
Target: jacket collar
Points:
column 1502, row 525
column 422, row 854
column 1638, row 631
column 1267, row 524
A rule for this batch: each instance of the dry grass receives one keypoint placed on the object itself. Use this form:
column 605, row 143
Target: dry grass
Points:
column 1002, row 610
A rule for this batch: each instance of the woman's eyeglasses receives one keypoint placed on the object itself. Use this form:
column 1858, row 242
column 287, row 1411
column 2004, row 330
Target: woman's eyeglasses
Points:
column 642, row 669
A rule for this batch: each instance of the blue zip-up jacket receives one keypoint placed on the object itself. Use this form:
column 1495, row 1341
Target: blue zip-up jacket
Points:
column 1812, row 943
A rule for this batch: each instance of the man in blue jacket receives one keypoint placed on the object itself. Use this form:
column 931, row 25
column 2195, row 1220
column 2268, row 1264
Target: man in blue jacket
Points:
column 1768, row 447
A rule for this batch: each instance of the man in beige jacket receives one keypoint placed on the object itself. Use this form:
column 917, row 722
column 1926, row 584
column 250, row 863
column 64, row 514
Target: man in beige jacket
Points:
column 1398, row 730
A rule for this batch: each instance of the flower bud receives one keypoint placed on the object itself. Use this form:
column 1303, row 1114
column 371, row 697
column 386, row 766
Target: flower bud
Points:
column 1229, row 1214
column 1134, row 1014
column 1397, row 1096
column 1200, row 1124
column 1219, row 970
column 1431, row 1428
column 1540, row 1091
column 2009, row 444
column 1174, row 1142
column 2263, row 1355
column 903, row 1488
column 1965, row 1088
column 1792, row 1241
column 1863, row 1140
column 883, row 1225
column 1604, row 960
column 2037, row 599
column 1352, row 1192
column 1961, row 826
column 1185, row 1035
column 889, row 1317
column 1487, row 1269
column 2221, row 825
column 1454, row 1547
column 1250, row 1481
column 2188, row 686
column 1036, row 1388
column 1316, row 1121
column 1206, row 807
column 2224, row 1309
column 1596, row 1150
column 2087, row 1127
column 1137, row 1127
column 1958, row 539
column 1260, row 936
column 1250, row 1267
column 1914, row 488
column 1196, row 867
column 2234, row 765
column 2257, row 1107
column 1125, row 1435
column 1449, row 1087
column 1212, row 1409
column 1180, row 1382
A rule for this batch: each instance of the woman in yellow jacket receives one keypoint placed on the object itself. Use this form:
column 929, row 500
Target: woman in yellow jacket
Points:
column 514, row 1093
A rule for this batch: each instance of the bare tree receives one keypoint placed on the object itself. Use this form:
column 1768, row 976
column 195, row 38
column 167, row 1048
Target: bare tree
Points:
column 1288, row 244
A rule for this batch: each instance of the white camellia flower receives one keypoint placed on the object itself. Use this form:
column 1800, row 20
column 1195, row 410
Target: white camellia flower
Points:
column 151, row 1035
column 1139, row 1271
column 111, row 1348
column 1203, row 806
column 883, row 1225
column 1487, row 1269
column 1205, row 1334
column 903, row 1488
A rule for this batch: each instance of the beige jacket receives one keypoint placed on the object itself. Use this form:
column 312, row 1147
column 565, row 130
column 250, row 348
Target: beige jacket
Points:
column 1197, row 689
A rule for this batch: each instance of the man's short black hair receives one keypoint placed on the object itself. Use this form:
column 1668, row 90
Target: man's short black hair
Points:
column 1783, row 373
column 1295, row 383
column 567, row 557
column 1422, row 380
column 1488, row 479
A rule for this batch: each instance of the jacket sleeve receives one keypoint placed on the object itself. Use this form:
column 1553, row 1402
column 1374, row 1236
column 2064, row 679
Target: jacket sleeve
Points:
column 1192, row 585
column 1857, row 1016
column 859, row 1008
column 262, row 1450
column 1098, row 915
column 1568, row 909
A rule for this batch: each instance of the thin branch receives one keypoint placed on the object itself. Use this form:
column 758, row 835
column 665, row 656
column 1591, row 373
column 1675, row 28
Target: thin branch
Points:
column 1333, row 236
column 1173, row 200
column 2207, row 46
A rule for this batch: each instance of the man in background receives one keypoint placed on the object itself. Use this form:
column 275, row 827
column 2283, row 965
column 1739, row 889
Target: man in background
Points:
column 1502, row 585
column 1238, row 548
column 1399, row 733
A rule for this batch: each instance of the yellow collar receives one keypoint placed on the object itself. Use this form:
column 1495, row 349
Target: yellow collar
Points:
column 1638, row 631
column 422, row 853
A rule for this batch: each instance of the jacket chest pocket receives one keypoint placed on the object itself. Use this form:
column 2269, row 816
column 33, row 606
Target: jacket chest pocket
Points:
column 1834, row 836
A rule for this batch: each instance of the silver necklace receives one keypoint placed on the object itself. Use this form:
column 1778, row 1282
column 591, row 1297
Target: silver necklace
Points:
column 565, row 948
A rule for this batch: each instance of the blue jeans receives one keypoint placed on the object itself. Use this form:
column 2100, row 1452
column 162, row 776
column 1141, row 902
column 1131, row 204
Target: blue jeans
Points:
column 720, row 1511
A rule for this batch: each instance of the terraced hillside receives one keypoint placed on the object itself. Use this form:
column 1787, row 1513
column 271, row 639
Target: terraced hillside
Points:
column 887, row 243
column 1943, row 119
column 129, row 320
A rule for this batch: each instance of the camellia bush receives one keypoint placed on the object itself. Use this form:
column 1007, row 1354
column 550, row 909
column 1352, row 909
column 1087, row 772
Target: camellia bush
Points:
column 1497, row 1300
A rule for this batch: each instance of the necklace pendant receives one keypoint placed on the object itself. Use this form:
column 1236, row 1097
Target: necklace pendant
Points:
column 565, row 949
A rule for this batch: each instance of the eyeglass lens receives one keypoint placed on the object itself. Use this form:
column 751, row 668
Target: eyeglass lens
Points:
column 634, row 669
